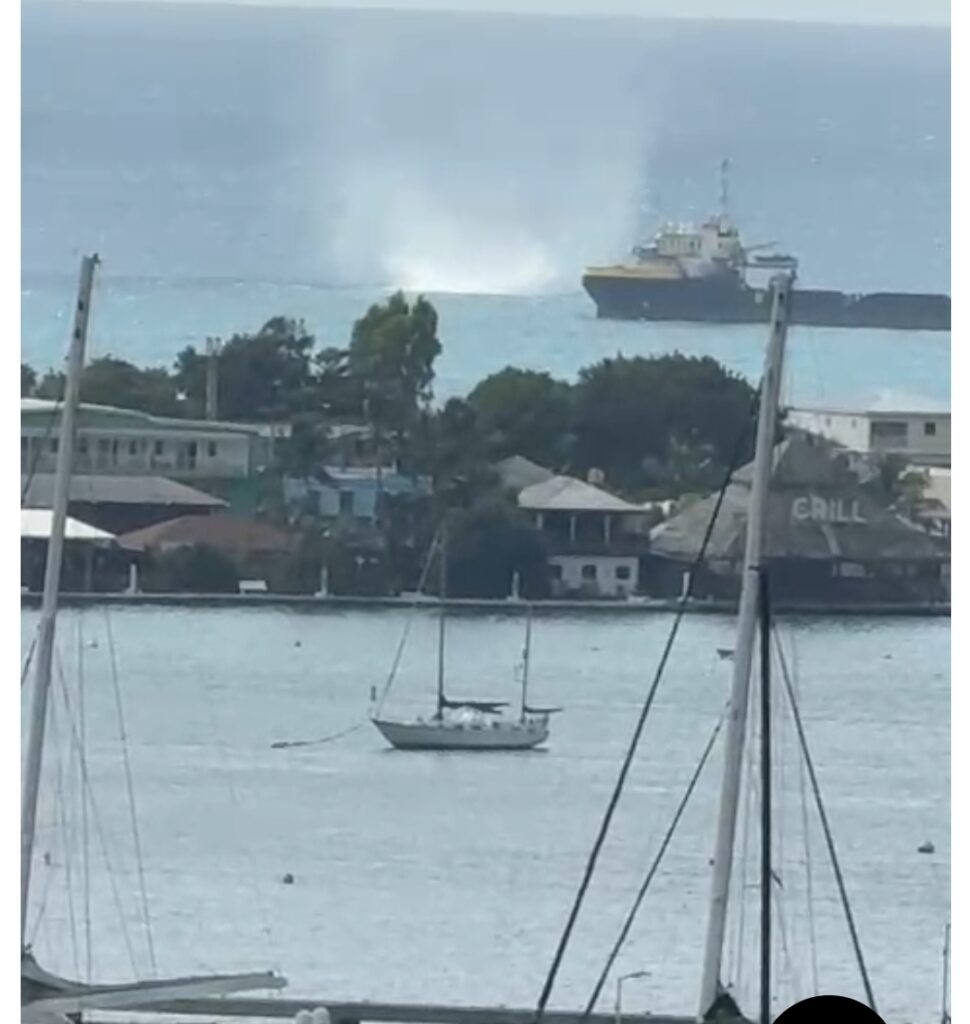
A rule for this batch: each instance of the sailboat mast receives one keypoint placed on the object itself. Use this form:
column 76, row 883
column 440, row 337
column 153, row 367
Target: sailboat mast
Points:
column 744, row 646
column 525, row 659
column 442, row 594
column 52, row 577
column 765, row 635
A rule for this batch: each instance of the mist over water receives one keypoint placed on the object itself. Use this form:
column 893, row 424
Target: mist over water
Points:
column 453, row 160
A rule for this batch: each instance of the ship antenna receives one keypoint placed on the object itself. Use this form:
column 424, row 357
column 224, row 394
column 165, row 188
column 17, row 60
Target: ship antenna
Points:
column 725, row 166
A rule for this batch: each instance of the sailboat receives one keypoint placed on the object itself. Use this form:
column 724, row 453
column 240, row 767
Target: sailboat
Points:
column 473, row 725
column 45, row 997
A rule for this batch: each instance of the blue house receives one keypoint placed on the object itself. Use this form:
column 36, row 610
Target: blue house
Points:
column 350, row 495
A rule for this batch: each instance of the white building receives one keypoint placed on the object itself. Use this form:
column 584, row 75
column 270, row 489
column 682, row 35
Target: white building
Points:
column 595, row 539
column 920, row 437
column 126, row 442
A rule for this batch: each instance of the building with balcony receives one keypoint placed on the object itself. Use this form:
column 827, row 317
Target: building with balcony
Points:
column 595, row 539
column 126, row 442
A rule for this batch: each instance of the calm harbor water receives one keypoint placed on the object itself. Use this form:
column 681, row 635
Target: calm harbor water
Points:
column 447, row 877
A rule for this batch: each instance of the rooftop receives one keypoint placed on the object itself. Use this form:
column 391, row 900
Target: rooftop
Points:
column 50, row 408
column 817, row 508
column 567, row 494
column 518, row 472
column 36, row 523
column 223, row 531
column 115, row 490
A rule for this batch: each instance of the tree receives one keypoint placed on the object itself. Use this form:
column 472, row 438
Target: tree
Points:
column 261, row 377
column 112, row 381
column 28, row 380
column 391, row 359
column 648, row 422
column 524, row 412
column 490, row 543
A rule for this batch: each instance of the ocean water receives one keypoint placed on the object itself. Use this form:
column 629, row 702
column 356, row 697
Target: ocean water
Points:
column 231, row 164
column 447, row 877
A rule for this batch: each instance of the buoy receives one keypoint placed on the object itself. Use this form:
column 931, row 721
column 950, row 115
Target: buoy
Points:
column 926, row 847
column 320, row 1015
column 297, row 644
column 288, row 879
column 302, row 1017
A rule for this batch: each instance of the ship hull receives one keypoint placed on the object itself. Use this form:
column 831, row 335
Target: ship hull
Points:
column 729, row 301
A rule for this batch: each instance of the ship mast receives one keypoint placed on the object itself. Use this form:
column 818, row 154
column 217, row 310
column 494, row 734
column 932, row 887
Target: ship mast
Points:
column 725, row 206
column 744, row 646
column 52, row 578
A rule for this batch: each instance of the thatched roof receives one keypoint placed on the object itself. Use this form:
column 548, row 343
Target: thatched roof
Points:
column 817, row 508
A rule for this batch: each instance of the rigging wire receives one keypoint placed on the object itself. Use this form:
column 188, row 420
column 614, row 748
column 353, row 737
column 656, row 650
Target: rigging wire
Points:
column 806, row 835
column 652, row 871
column 398, row 654
column 637, row 732
column 85, row 841
column 27, row 661
column 88, row 793
column 823, row 818
column 130, row 788
column 60, row 814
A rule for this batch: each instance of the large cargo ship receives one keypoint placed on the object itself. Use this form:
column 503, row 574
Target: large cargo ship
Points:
column 704, row 274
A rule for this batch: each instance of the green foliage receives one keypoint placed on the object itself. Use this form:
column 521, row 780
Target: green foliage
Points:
column 194, row 569
column 391, row 360
column 109, row 379
column 28, row 380
column 261, row 377
column 664, row 420
column 523, row 412
column 487, row 545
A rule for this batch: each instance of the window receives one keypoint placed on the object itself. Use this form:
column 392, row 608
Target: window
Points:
column 929, row 428
column 159, row 447
column 132, row 447
column 622, row 572
column 82, row 445
column 24, row 444
column 589, row 572
column 104, row 446
column 213, row 448
column 893, row 431
column 555, row 571
column 53, row 445
column 346, row 503
column 852, row 570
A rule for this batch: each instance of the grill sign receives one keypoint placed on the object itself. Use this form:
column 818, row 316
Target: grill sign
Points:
column 812, row 508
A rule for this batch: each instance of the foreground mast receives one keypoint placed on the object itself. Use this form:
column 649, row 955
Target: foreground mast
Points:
column 744, row 646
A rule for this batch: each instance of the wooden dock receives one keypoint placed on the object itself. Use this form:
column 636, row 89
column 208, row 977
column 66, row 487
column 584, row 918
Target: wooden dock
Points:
column 246, row 1008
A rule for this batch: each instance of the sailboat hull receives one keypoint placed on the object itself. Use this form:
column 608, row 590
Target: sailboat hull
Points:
column 479, row 737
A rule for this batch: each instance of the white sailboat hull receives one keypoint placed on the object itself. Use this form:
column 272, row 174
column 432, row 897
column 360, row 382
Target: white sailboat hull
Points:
column 476, row 736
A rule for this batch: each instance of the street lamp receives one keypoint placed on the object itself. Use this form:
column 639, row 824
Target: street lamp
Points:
column 618, row 1005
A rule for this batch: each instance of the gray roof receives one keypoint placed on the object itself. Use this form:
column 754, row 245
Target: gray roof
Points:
column 117, row 490
column 817, row 508
column 566, row 494
column 517, row 472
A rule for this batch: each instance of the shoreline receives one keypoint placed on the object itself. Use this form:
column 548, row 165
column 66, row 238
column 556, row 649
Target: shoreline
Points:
column 488, row 605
